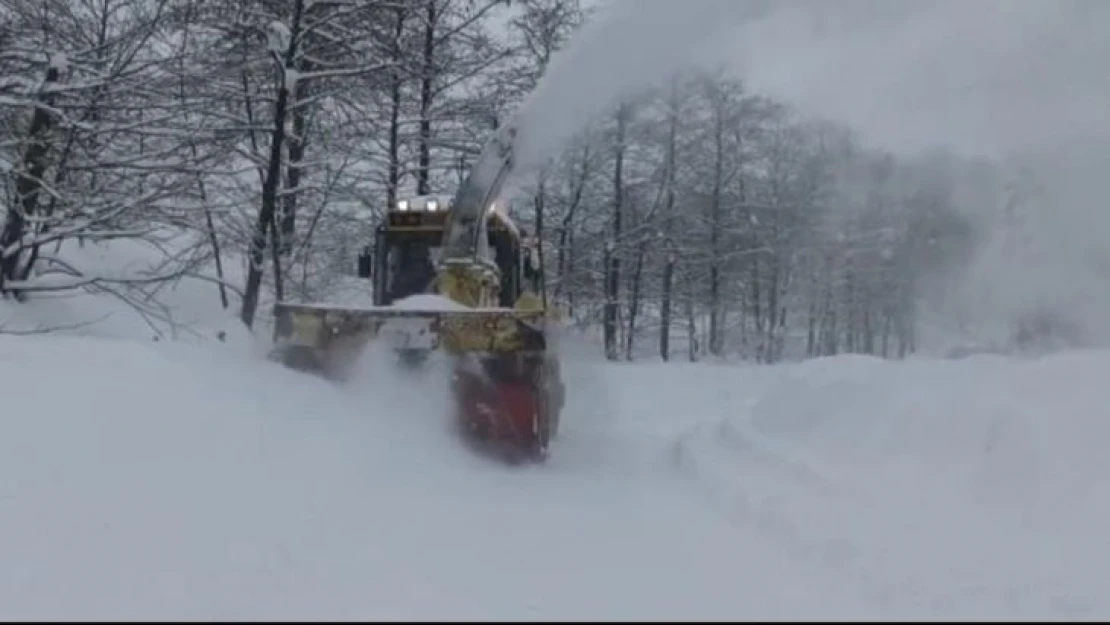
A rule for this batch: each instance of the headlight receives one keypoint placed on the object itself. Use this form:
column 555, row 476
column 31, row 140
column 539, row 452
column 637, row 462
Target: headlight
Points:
column 403, row 205
column 433, row 205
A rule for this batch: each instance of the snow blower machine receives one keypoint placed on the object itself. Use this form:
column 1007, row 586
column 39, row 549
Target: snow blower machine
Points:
column 452, row 274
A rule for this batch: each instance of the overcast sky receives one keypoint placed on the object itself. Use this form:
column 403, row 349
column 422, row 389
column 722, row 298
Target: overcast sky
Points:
column 979, row 75
column 982, row 75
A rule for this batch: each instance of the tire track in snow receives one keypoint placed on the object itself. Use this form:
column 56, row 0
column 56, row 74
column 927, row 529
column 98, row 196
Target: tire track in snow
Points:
column 755, row 487
column 752, row 484
column 825, row 519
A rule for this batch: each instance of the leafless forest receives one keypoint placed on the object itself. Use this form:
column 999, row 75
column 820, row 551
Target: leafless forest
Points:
column 256, row 142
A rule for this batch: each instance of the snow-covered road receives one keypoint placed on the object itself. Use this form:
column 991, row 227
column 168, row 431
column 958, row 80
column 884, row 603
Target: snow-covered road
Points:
column 163, row 481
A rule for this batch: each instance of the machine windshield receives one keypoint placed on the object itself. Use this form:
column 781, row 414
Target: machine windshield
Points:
column 411, row 268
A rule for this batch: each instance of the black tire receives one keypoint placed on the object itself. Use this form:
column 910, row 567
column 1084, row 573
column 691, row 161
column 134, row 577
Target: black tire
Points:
column 412, row 358
column 298, row 358
column 553, row 396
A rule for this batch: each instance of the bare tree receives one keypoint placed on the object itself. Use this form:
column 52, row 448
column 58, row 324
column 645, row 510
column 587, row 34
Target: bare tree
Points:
column 94, row 136
column 612, row 255
column 269, row 137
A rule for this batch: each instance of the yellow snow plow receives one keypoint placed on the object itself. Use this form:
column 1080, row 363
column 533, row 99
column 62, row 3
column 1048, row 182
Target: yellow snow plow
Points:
column 457, row 275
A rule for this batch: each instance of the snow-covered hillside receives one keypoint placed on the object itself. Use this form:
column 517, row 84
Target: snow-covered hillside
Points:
column 161, row 480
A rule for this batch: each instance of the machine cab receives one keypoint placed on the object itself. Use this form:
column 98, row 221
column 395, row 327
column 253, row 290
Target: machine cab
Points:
column 407, row 247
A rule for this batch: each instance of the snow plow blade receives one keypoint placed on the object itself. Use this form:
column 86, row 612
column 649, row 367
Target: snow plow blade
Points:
column 506, row 383
column 327, row 339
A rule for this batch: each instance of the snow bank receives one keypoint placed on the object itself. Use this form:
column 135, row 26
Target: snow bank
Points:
column 1024, row 433
column 951, row 489
column 169, row 481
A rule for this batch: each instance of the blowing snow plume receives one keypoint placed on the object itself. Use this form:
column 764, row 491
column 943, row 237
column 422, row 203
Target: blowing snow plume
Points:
column 986, row 78
column 1019, row 82
column 628, row 46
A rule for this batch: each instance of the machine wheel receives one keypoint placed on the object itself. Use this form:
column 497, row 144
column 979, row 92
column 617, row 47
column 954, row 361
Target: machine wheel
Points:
column 299, row 358
column 412, row 358
column 548, row 390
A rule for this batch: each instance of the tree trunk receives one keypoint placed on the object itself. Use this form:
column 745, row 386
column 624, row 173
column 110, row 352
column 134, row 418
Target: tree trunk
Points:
column 541, row 193
column 612, row 257
column 756, row 304
column 565, row 259
column 668, row 228
column 294, row 170
column 811, row 330
column 691, row 322
column 634, row 299
column 202, row 190
column 716, row 342
column 851, row 324
column 868, row 331
column 28, row 184
column 427, row 75
column 267, row 212
column 885, row 340
column 773, row 286
column 395, row 84
column 665, row 308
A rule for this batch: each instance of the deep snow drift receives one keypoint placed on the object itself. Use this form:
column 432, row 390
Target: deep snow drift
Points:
column 166, row 481
column 172, row 482
column 972, row 488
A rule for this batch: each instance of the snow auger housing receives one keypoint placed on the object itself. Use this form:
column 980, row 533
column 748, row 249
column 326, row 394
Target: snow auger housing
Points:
column 453, row 274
